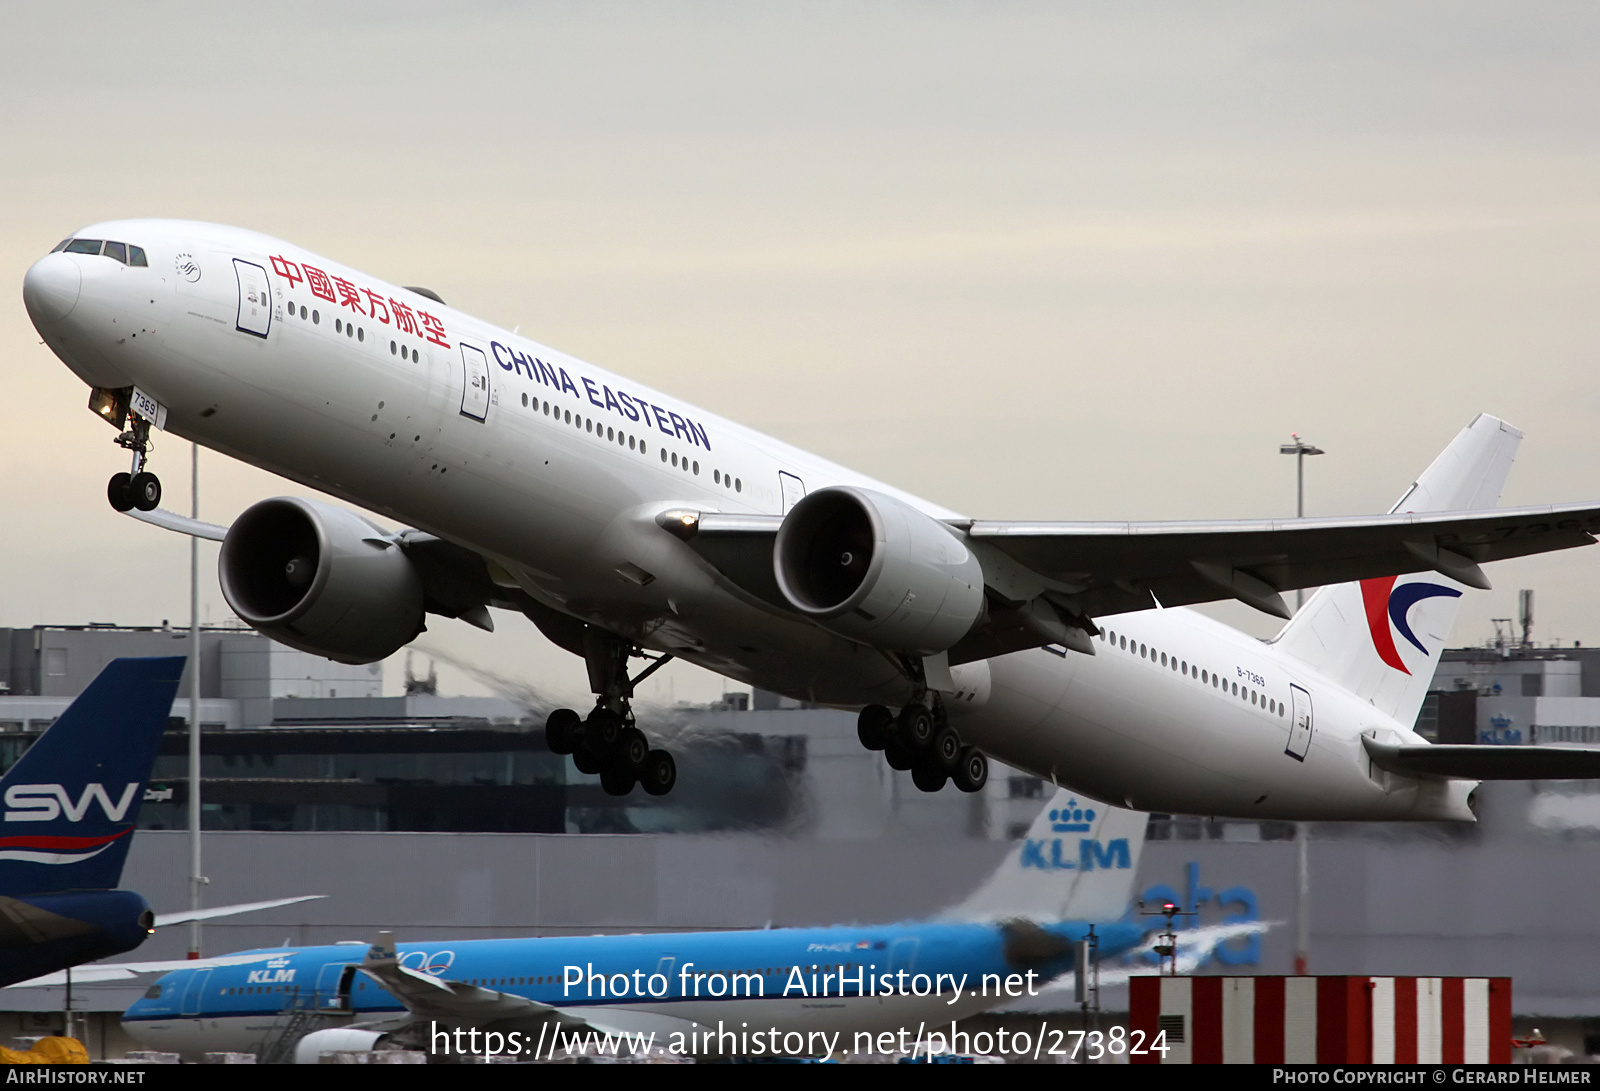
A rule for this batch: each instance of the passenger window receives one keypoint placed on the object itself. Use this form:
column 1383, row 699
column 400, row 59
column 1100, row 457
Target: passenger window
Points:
column 136, row 256
column 83, row 246
column 117, row 250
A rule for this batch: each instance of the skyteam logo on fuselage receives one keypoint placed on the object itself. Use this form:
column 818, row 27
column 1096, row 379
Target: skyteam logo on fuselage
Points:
column 1390, row 606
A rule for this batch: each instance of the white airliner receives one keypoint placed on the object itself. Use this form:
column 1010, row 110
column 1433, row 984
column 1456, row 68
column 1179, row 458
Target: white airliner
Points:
column 626, row 524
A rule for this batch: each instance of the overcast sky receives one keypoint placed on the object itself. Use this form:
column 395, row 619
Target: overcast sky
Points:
column 1051, row 261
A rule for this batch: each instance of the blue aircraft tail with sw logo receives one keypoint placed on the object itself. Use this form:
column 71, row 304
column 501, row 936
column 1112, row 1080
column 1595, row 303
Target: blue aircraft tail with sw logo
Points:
column 1078, row 862
column 71, row 801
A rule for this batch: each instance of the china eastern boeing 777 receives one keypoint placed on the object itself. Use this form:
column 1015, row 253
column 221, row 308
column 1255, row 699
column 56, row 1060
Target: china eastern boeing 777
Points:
column 629, row 525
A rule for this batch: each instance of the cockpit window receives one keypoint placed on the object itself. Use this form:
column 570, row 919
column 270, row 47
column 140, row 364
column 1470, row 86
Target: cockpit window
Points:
column 153, row 993
column 128, row 255
column 60, row 246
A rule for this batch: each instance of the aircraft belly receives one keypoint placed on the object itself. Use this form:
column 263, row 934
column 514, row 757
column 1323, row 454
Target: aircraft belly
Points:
column 193, row 1037
column 1125, row 733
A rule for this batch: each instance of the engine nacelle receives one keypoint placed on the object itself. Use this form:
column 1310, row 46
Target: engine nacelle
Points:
column 309, row 1050
column 874, row 569
column 320, row 579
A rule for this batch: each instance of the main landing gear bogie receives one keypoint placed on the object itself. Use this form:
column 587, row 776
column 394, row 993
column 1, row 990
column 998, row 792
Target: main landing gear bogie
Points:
column 920, row 740
column 619, row 752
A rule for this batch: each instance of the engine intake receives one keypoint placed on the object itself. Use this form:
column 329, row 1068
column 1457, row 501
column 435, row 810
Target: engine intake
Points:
column 872, row 568
column 320, row 579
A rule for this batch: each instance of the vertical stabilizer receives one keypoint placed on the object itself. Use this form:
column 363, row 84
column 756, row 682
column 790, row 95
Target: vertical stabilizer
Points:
column 71, row 801
column 1078, row 862
column 1382, row 638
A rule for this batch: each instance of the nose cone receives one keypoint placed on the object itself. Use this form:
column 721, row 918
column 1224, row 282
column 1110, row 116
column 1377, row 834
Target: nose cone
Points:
column 50, row 288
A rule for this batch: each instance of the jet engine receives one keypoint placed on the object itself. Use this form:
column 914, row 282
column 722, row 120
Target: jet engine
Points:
column 309, row 1050
column 874, row 569
column 321, row 579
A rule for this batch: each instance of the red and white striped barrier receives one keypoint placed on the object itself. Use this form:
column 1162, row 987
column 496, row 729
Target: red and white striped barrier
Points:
column 1324, row 1020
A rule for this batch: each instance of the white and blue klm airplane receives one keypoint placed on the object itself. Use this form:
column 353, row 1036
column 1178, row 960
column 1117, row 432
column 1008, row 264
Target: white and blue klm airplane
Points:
column 1014, row 934
column 627, row 524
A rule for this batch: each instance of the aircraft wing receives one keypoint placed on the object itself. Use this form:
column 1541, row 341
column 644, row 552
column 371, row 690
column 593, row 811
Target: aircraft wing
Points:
column 431, row 997
column 123, row 971
column 1095, row 569
column 427, row 996
column 164, row 919
column 1110, row 568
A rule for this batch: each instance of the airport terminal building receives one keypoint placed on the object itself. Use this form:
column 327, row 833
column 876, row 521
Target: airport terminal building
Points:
column 444, row 817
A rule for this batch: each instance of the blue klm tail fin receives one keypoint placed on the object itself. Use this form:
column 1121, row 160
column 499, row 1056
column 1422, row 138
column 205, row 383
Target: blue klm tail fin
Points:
column 71, row 801
column 1078, row 862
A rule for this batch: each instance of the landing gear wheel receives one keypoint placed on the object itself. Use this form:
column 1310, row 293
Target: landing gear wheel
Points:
column 632, row 750
column 875, row 727
column 915, row 727
column 660, row 773
column 927, row 776
column 602, row 730
column 898, row 756
column 972, row 771
column 616, row 781
column 585, row 761
column 119, row 490
column 146, row 491
column 561, row 731
column 946, row 749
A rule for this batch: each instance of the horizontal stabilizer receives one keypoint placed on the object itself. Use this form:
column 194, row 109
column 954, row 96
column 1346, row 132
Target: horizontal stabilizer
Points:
column 1487, row 762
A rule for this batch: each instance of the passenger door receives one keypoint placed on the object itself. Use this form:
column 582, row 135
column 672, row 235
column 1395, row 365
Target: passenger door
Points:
column 1299, row 723
column 793, row 489
column 255, row 302
column 475, row 388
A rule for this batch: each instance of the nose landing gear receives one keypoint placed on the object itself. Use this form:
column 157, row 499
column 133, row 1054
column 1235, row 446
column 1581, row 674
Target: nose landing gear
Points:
column 607, row 741
column 138, row 488
column 920, row 739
